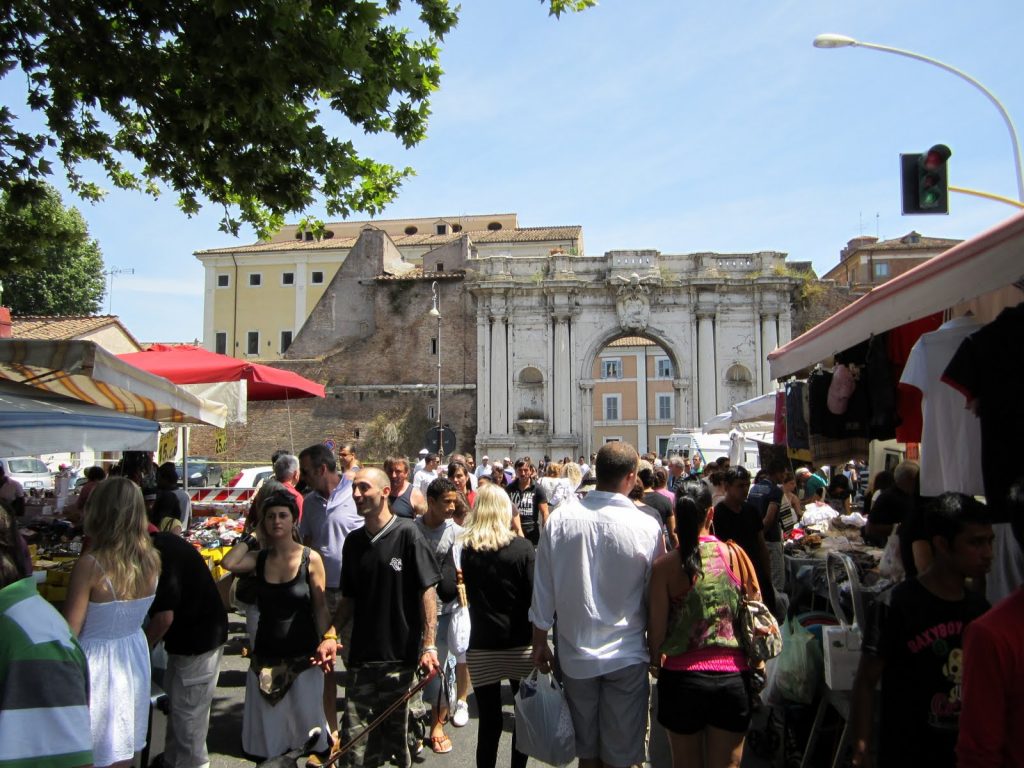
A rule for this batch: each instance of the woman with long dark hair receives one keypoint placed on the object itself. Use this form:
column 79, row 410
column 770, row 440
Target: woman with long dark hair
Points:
column 283, row 689
column 702, row 671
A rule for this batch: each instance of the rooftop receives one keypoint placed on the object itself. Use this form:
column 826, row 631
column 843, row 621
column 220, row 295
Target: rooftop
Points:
column 422, row 239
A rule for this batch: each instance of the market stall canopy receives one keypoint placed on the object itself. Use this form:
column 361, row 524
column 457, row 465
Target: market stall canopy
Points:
column 754, row 415
column 186, row 364
column 34, row 421
column 84, row 371
column 992, row 260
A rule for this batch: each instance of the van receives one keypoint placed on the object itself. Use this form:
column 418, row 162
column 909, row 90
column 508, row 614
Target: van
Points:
column 30, row 471
column 710, row 446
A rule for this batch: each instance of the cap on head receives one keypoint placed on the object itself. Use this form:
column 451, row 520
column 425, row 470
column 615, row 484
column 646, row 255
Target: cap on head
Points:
column 803, row 472
column 423, row 452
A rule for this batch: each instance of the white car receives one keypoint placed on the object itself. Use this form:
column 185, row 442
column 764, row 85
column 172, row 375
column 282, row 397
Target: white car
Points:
column 30, row 471
column 252, row 477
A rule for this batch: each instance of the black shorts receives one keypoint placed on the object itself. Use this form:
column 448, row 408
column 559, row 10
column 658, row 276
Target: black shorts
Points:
column 689, row 702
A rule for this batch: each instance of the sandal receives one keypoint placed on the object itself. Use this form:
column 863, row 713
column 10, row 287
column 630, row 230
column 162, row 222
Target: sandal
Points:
column 441, row 745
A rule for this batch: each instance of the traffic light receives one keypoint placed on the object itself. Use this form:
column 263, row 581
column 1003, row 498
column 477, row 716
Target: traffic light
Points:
column 924, row 181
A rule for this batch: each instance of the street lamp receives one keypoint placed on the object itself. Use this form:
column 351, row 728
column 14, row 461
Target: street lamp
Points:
column 436, row 312
column 842, row 41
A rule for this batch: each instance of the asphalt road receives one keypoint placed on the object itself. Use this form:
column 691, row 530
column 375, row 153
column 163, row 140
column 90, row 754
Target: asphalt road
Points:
column 225, row 735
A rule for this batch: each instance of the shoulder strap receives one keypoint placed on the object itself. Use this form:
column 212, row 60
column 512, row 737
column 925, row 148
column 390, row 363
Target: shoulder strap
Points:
column 110, row 584
column 305, row 562
column 261, row 561
column 744, row 570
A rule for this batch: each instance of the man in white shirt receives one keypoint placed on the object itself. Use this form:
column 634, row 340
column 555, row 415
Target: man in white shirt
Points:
column 593, row 565
column 484, row 467
column 427, row 475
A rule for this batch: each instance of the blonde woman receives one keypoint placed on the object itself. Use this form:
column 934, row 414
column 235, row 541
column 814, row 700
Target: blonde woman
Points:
column 497, row 569
column 109, row 595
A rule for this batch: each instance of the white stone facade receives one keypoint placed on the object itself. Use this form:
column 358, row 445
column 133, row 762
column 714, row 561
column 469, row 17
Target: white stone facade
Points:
column 542, row 321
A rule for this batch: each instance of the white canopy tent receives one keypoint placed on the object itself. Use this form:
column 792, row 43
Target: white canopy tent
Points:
column 84, row 371
column 34, row 421
column 754, row 415
column 988, row 262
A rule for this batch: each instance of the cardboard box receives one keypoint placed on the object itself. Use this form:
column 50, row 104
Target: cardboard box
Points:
column 842, row 656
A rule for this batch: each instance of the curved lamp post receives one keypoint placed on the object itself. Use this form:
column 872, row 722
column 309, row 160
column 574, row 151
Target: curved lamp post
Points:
column 436, row 312
column 842, row 41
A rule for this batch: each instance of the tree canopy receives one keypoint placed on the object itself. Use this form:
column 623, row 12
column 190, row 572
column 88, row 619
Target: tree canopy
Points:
column 48, row 263
column 221, row 100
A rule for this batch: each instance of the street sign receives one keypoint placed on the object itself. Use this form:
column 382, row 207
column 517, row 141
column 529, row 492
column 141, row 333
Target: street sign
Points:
column 329, row 444
column 447, row 441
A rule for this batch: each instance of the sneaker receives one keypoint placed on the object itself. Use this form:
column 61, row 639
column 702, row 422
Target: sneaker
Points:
column 461, row 715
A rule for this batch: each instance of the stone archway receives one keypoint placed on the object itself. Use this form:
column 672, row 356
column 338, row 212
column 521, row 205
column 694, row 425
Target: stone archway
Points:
column 555, row 314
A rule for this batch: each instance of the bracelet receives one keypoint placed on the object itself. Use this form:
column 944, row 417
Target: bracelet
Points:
column 428, row 649
column 247, row 540
column 330, row 636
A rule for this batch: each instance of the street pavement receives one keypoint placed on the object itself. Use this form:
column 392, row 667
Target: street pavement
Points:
column 225, row 737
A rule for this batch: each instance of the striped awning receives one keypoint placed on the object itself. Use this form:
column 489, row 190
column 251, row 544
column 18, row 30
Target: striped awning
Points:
column 87, row 372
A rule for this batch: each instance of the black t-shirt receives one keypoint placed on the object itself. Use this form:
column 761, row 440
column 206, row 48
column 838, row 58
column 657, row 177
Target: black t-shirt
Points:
column 920, row 636
column 743, row 527
column 386, row 575
column 987, row 368
column 661, row 503
column 499, row 587
column 167, row 504
column 894, row 506
column 527, row 500
column 187, row 587
column 761, row 495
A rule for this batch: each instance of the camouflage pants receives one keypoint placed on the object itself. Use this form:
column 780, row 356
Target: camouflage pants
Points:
column 371, row 689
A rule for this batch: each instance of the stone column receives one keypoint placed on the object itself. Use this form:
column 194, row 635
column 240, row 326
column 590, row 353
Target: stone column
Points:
column 586, row 428
column 769, row 341
column 679, row 385
column 561, row 421
column 785, row 327
column 209, row 305
column 483, row 372
column 499, row 376
column 707, row 376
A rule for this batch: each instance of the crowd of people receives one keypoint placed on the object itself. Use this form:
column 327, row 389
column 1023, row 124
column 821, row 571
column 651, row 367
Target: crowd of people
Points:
column 616, row 574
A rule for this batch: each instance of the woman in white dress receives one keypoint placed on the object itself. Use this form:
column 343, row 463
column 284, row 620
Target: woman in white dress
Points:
column 111, row 589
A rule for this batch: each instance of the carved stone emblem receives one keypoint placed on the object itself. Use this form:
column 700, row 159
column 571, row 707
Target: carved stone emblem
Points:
column 632, row 302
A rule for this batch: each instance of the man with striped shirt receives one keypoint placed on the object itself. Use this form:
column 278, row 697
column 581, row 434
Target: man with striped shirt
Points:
column 44, row 681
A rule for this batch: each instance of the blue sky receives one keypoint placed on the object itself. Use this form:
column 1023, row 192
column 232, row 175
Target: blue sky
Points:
column 680, row 126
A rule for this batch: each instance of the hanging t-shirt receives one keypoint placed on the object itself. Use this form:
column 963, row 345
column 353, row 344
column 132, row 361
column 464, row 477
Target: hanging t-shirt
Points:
column 951, row 434
column 988, row 368
column 920, row 637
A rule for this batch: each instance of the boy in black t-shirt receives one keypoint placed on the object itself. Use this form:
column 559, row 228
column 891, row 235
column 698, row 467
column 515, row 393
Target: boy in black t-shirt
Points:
column 916, row 648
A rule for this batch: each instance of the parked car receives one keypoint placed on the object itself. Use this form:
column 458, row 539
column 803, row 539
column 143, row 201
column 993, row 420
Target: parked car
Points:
column 251, row 477
column 203, row 472
column 30, row 471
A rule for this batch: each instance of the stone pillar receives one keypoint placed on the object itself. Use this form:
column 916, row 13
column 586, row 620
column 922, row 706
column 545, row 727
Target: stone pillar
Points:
column 785, row 327
column 769, row 341
column 707, row 376
column 679, row 386
column 587, row 417
column 499, row 376
column 643, row 410
column 483, row 371
column 561, row 420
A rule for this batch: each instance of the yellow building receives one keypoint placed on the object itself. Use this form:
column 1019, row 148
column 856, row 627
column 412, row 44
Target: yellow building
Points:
column 633, row 395
column 258, row 296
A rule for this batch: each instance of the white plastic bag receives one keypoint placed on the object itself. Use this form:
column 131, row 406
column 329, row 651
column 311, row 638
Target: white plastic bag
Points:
column 458, row 627
column 543, row 724
column 891, row 565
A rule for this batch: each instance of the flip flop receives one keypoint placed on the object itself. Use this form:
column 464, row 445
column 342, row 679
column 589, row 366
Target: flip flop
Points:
column 441, row 745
